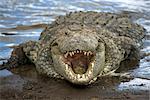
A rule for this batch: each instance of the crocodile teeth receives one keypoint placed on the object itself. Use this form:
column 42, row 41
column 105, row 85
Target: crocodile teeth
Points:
column 83, row 76
column 95, row 79
column 70, row 54
column 67, row 67
column 66, row 55
column 78, row 76
column 78, row 51
column 90, row 72
column 85, row 53
column 92, row 65
column 90, row 53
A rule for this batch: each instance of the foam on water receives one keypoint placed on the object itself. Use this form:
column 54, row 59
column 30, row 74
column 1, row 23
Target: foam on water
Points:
column 135, row 84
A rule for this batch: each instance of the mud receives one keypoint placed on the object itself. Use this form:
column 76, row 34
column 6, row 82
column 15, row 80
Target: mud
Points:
column 23, row 20
column 25, row 84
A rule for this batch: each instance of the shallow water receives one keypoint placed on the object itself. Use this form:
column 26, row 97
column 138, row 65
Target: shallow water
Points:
column 23, row 20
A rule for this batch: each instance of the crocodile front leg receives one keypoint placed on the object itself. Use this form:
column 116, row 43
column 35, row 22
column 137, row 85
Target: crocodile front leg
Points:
column 20, row 56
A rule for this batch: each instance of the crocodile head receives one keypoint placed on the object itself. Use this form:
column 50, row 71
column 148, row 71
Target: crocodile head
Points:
column 78, row 55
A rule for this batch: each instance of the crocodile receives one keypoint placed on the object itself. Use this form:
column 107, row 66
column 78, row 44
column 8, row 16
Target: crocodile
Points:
column 82, row 46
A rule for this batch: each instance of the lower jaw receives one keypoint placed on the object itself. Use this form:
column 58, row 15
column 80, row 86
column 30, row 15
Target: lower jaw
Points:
column 79, row 78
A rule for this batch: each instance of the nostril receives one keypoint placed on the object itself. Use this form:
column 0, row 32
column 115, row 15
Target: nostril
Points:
column 66, row 33
column 100, row 40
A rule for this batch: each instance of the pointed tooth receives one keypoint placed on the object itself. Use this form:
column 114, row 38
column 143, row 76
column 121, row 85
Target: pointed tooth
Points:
column 95, row 79
column 70, row 73
column 80, row 51
column 92, row 65
column 83, row 76
column 70, row 54
column 88, row 75
column 78, row 76
column 66, row 55
column 84, row 53
column 77, row 51
column 67, row 67
column 90, row 52
column 90, row 72
column 87, row 54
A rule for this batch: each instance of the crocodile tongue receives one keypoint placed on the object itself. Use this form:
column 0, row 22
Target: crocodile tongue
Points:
column 79, row 62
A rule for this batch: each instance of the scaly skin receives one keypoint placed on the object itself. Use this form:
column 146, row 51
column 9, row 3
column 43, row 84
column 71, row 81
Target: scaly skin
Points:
column 109, row 38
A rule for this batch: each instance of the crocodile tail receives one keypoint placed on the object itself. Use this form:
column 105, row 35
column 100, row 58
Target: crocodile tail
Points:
column 17, row 58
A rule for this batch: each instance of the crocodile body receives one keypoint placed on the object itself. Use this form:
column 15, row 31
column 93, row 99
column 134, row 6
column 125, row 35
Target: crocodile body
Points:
column 82, row 46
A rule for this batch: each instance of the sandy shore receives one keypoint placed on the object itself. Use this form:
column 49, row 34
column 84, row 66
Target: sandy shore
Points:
column 26, row 84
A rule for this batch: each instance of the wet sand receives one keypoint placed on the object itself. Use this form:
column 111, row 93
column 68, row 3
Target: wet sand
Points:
column 23, row 20
column 26, row 84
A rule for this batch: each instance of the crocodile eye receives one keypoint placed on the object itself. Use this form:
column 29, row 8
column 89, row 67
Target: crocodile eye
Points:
column 55, row 44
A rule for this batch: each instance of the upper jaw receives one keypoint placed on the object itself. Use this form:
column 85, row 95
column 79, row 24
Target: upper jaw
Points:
column 95, row 68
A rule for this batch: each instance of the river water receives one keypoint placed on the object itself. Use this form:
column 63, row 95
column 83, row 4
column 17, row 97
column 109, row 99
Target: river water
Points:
column 23, row 20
